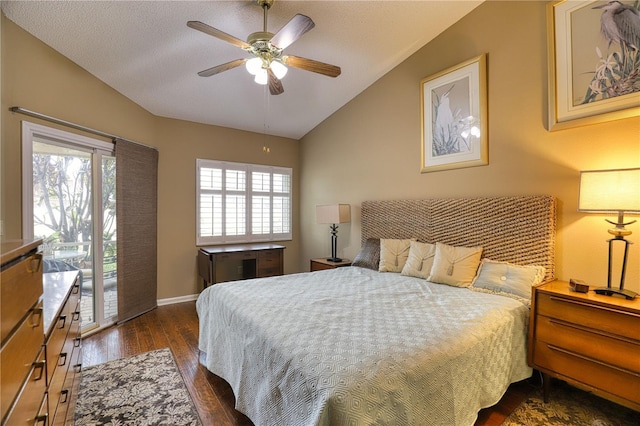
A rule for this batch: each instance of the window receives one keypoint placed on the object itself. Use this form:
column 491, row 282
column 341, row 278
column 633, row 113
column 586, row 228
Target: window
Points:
column 239, row 202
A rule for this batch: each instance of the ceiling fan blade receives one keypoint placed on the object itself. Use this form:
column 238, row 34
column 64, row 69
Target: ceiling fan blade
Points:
column 220, row 68
column 311, row 65
column 292, row 30
column 275, row 85
column 197, row 25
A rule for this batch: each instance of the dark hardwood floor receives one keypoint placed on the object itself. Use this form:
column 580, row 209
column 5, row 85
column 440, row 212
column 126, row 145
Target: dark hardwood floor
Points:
column 176, row 327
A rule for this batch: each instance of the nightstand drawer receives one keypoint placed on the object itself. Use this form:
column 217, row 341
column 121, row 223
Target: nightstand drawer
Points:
column 622, row 383
column 619, row 352
column 317, row 266
column 607, row 319
column 322, row 263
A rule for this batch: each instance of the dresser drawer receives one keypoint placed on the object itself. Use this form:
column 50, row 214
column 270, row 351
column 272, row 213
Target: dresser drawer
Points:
column 30, row 401
column 616, row 351
column 20, row 288
column 59, row 394
column 607, row 319
column 619, row 382
column 68, row 393
column 17, row 356
column 56, row 355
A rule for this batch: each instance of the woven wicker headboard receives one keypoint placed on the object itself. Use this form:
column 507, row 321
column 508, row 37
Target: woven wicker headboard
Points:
column 520, row 230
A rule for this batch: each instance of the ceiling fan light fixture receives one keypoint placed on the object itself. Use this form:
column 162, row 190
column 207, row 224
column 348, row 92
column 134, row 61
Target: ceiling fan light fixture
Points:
column 261, row 77
column 268, row 64
column 278, row 69
column 254, row 65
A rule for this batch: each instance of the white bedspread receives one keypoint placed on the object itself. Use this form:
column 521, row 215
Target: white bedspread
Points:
column 351, row 346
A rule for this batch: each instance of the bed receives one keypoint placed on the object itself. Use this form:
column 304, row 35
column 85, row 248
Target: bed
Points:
column 356, row 346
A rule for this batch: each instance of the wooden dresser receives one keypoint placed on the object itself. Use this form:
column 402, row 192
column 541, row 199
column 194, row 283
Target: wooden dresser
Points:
column 240, row 262
column 40, row 339
column 22, row 363
column 62, row 343
column 590, row 341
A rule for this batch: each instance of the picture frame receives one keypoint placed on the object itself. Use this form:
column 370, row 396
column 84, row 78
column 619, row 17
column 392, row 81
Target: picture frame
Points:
column 454, row 117
column 588, row 78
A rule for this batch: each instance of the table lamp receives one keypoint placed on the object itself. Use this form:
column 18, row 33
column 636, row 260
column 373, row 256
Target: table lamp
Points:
column 605, row 191
column 333, row 214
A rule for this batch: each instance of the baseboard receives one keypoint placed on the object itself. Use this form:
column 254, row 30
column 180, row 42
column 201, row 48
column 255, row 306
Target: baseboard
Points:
column 180, row 299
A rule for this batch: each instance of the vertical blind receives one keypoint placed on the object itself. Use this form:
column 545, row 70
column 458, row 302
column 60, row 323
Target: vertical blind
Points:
column 136, row 207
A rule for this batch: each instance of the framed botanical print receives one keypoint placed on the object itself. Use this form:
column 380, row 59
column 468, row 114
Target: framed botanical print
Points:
column 594, row 62
column 454, row 117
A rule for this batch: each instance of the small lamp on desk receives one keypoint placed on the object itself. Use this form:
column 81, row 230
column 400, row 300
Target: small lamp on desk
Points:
column 604, row 191
column 333, row 214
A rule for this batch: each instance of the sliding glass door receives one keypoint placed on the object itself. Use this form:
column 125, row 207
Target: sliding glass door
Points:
column 69, row 202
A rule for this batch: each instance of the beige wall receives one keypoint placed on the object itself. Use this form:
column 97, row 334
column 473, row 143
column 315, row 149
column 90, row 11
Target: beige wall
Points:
column 370, row 149
column 38, row 78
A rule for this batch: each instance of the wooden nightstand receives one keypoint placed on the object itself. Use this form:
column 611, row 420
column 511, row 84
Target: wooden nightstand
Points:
column 322, row 263
column 590, row 341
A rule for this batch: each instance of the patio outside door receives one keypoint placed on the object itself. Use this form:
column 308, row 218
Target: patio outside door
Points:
column 73, row 211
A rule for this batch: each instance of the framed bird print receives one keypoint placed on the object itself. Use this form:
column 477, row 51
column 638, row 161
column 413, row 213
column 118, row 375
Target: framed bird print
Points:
column 594, row 62
column 454, row 117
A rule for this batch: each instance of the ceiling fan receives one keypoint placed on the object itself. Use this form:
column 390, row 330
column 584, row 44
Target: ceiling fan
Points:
column 269, row 63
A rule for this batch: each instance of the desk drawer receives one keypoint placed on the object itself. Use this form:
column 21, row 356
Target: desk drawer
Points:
column 230, row 257
column 623, row 383
column 20, row 288
column 270, row 263
column 607, row 319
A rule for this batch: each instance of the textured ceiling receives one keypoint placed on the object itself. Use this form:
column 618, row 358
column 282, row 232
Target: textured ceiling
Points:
column 145, row 51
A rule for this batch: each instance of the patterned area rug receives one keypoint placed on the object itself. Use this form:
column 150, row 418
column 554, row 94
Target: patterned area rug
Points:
column 145, row 389
column 570, row 406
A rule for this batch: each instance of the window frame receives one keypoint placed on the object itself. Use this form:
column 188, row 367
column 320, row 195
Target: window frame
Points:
column 248, row 236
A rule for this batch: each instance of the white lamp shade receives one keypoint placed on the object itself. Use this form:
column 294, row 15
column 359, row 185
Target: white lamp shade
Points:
column 261, row 77
column 278, row 69
column 254, row 65
column 610, row 190
column 333, row 213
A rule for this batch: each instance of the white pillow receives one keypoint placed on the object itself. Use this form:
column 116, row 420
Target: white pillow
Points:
column 393, row 254
column 420, row 260
column 455, row 266
column 507, row 279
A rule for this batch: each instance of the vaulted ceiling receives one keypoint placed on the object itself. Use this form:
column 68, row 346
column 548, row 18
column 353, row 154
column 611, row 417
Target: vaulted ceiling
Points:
column 144, row 50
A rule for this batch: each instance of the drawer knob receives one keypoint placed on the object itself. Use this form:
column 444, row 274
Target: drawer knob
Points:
column 42, row 418
column 65, row 393
column 63, row 359
column 62, row 318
